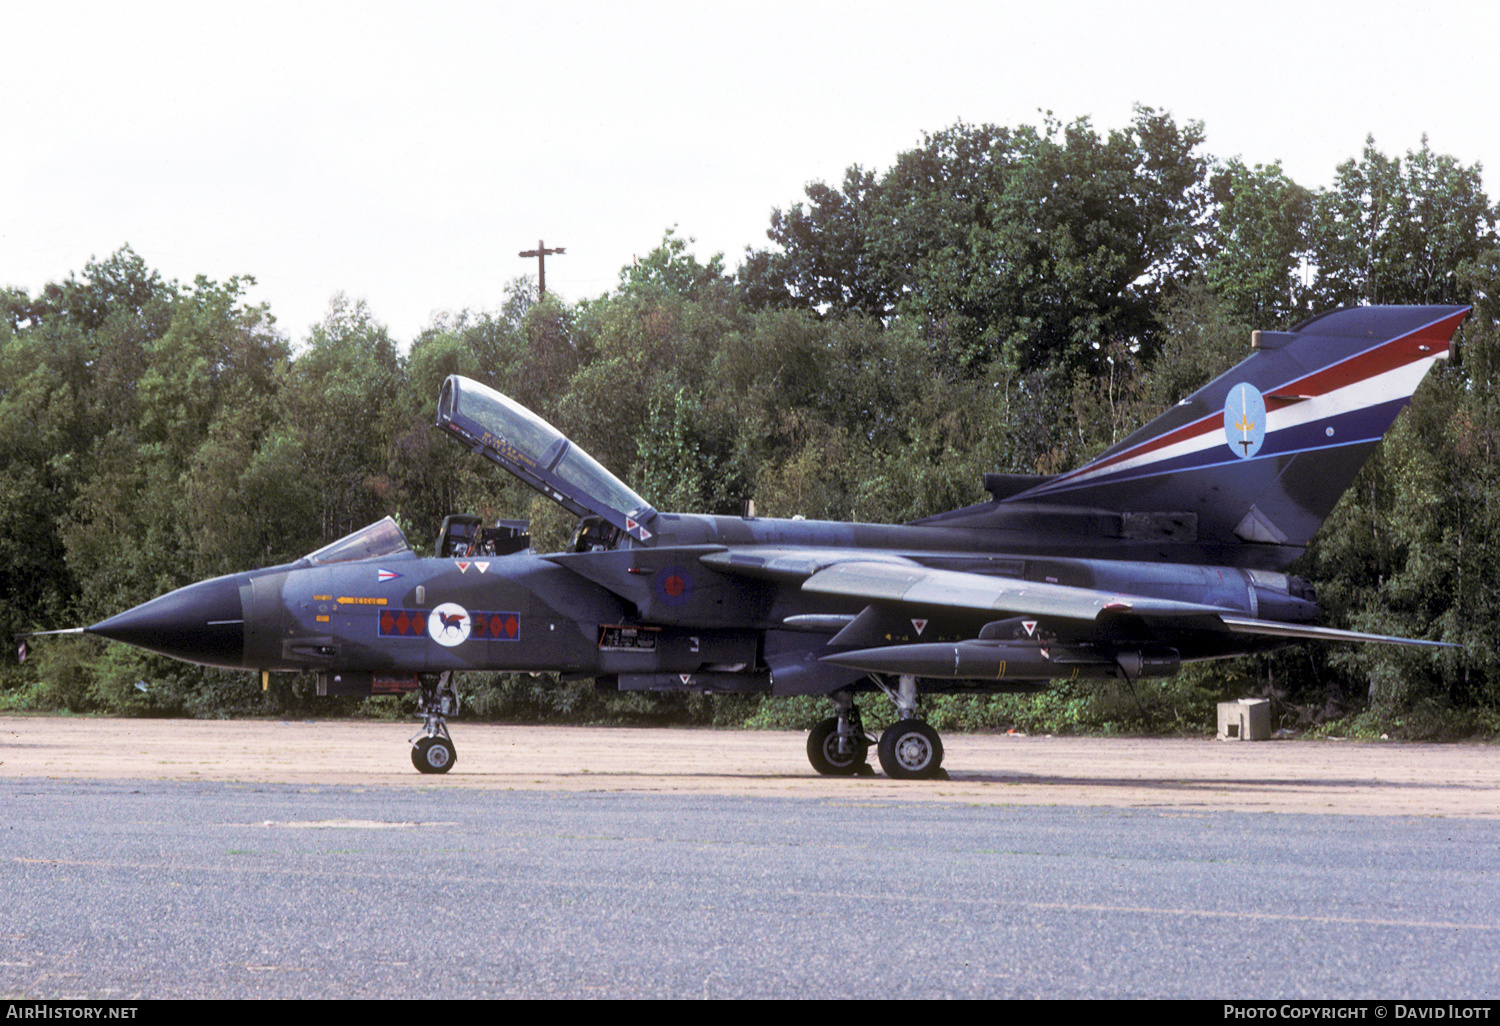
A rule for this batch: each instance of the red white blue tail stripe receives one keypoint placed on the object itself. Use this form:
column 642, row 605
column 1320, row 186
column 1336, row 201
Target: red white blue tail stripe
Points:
column 1349, row 402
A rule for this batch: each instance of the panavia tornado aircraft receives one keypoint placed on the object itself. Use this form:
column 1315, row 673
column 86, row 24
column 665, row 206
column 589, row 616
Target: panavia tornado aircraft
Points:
column 1165, row 549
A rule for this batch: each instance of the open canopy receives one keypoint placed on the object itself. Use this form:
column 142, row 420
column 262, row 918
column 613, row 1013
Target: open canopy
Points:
column 380, row 539
column 507, row 433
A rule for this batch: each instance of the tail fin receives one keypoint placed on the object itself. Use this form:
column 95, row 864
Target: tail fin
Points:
column 1260, row 455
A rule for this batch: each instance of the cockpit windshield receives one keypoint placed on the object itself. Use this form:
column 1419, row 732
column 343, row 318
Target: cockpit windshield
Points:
column 517, row 439
column 382, row 538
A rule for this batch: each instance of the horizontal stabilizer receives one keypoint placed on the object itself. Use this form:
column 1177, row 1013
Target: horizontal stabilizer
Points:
column 1245, row 625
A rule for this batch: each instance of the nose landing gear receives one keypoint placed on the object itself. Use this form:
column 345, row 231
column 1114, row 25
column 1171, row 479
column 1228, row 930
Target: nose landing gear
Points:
column 433, row 754
column 432, row 748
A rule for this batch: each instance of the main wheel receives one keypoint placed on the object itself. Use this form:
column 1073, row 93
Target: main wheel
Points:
column 433, row 755
column 823, row 751
column 910, row 750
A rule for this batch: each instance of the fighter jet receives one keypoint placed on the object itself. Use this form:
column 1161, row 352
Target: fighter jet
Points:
column 1168, row 548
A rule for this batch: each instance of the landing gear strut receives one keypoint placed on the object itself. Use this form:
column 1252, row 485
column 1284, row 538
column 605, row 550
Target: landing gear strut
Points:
column 908, row 749
column 432, row 748
column 839, row 746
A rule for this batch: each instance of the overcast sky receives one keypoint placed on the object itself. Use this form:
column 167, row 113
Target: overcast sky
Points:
column 405, row 153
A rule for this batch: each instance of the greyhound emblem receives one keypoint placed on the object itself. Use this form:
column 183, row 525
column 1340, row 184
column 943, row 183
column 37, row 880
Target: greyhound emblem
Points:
column 449, row 624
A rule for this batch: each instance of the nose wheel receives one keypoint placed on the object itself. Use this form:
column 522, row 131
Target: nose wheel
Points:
column 433, row 755
column 432, row 749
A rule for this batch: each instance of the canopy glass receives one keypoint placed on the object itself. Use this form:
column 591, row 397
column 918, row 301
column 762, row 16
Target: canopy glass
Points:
column 512, row 436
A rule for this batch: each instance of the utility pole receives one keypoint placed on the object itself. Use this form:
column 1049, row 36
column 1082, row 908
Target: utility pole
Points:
column 541, row 253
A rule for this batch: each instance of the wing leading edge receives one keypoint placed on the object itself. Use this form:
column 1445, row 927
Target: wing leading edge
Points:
column 894, row 579
column 1109, row 634
column 1105, row 633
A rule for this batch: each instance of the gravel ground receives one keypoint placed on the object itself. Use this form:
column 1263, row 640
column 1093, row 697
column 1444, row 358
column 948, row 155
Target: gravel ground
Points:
column 1340, row 777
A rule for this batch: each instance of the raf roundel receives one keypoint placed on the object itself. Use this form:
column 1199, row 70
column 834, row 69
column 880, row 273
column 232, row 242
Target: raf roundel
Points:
column 674, row 586
column 1244, row 420
column 449, row 624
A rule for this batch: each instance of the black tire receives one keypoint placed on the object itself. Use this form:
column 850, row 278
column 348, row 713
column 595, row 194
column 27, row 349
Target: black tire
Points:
column 910, row 750
column 823, row 751
column 433, row 755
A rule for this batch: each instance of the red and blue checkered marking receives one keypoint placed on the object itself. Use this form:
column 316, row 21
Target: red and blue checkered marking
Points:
column 483, row 625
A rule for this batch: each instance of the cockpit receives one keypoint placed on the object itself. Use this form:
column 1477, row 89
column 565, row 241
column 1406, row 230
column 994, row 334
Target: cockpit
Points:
column 508, row 434
column 381, row 539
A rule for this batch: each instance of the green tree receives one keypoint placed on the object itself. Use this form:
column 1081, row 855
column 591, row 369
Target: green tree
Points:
column 140, row 523
column 120, row 284
column 338, row 400
column 1093, row 234
column 828, row 258
column 1258, row 244
column 1396, row 232
column 1037, row 246
column 42, row 442
column 670, row 268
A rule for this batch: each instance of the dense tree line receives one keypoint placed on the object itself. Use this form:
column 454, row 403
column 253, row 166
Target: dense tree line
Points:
column 1008, row 299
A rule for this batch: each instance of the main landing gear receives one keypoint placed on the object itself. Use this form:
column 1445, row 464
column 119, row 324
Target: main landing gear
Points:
column 908, row 749
column 839, row 746
column 432, row 748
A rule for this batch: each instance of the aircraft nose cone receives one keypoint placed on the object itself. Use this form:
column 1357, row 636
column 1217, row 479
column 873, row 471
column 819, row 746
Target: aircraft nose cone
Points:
column 202, row 623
